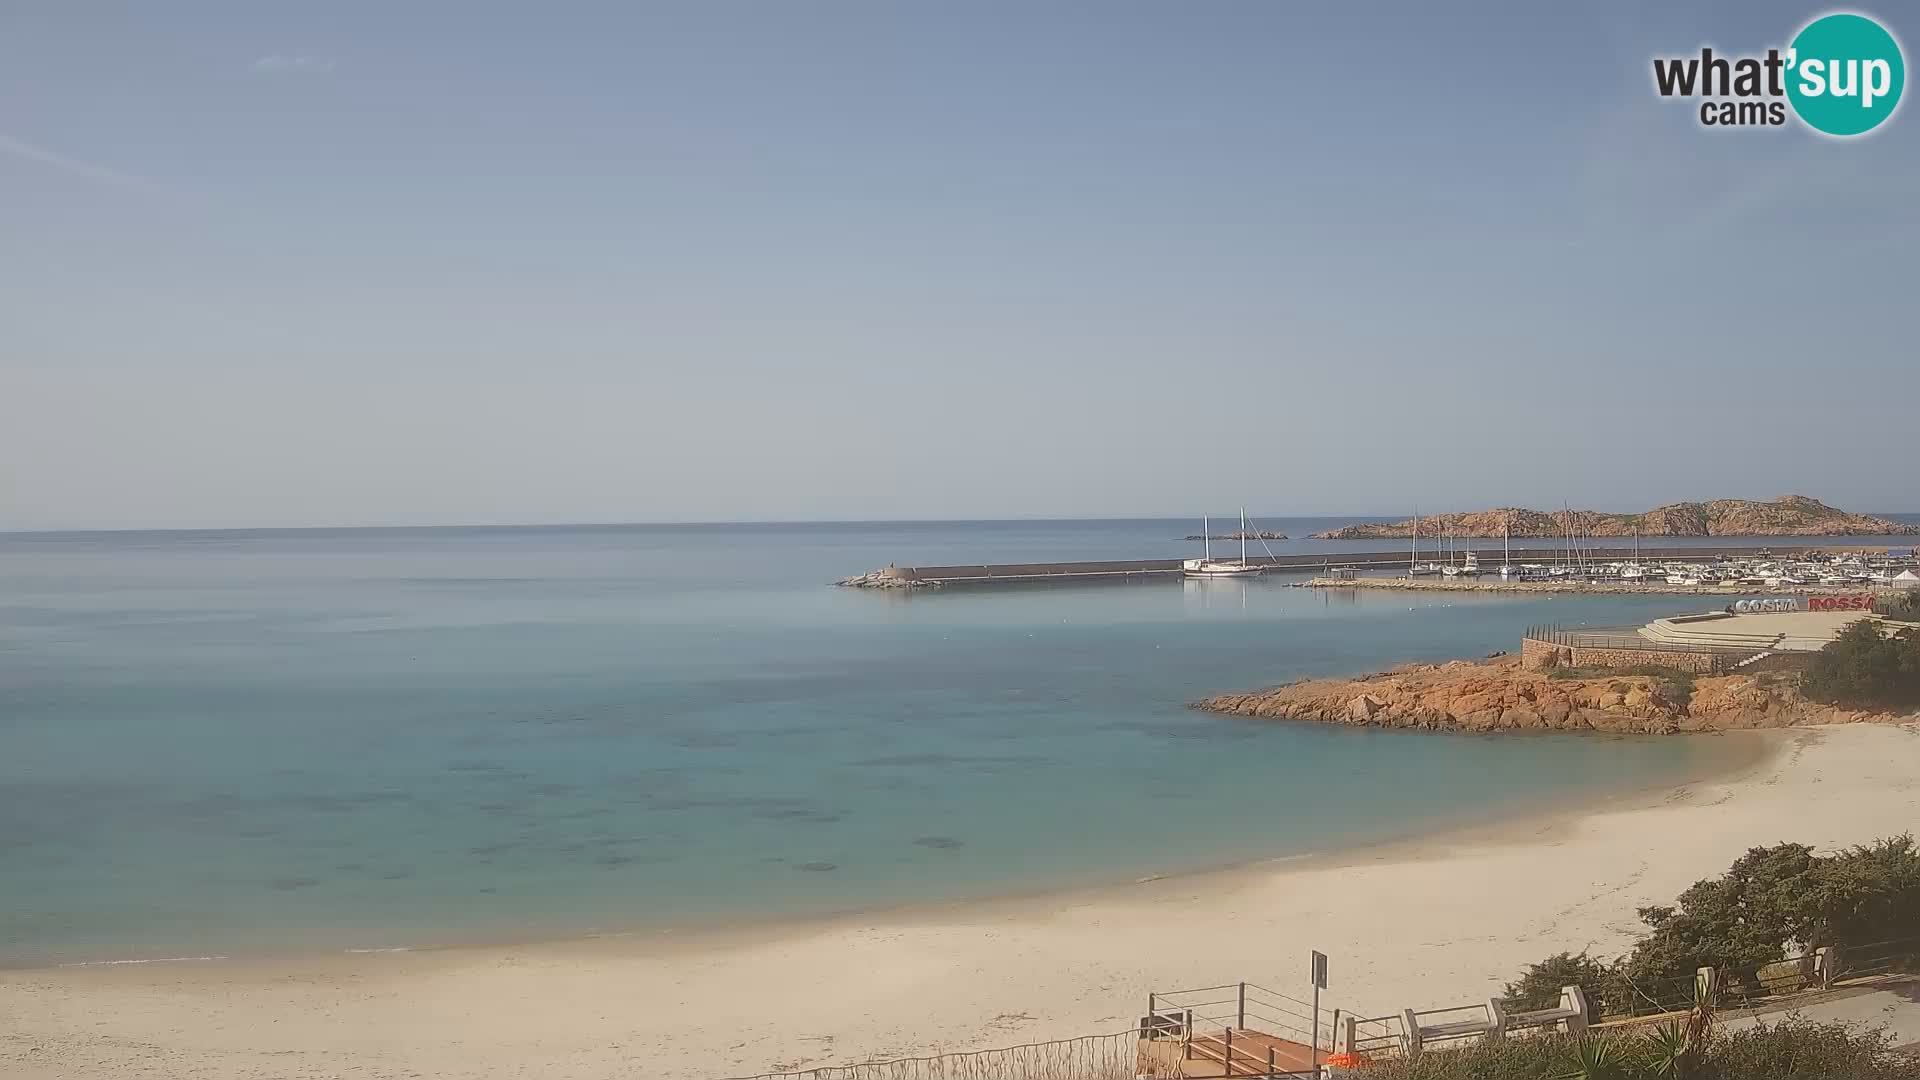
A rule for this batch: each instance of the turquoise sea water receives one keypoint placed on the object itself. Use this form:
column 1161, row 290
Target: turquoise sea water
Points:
column 230, row 741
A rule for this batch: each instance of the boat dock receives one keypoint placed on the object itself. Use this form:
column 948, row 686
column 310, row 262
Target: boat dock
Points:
column 1572, row 586
column 1324, row 564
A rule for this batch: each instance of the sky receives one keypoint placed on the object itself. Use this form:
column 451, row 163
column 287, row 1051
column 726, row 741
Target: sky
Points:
column 436, row 263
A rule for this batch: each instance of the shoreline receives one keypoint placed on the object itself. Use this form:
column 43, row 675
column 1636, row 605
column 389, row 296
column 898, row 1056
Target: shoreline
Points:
column 1408, row 922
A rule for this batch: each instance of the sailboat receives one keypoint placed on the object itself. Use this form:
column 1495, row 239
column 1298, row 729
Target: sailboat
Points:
column 1209, row 567
column 1414, row 569
column 1633, row 570
column 1506, row 546
column 1469, row 568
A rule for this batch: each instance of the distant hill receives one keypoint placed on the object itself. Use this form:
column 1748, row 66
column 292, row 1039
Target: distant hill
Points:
column 1788, row 515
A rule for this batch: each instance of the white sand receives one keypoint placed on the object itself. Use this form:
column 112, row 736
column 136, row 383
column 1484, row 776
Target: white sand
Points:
column 1437, row 923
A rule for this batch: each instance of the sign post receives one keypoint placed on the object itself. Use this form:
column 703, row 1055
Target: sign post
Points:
column 1319, row 984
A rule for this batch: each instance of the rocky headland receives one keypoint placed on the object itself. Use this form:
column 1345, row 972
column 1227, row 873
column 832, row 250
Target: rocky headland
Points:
column 1497, row 695
column 1788, row 515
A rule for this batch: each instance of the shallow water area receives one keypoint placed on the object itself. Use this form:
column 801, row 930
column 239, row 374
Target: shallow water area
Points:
column 215, row 743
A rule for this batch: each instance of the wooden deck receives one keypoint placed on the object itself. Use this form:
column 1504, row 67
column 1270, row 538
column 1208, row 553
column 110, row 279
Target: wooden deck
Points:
column 1207, row 1055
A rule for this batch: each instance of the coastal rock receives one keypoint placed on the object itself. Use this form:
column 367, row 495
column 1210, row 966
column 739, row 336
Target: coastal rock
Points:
column 1499, row 695
column 1788, row 515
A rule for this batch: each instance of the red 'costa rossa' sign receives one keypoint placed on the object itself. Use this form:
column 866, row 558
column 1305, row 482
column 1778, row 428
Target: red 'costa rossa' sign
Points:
column 1855, row 602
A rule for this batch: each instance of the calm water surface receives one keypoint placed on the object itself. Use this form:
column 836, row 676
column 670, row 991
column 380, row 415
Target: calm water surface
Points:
column 227, row 741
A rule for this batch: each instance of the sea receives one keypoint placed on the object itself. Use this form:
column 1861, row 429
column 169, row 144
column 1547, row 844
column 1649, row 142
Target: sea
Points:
column 231, row 742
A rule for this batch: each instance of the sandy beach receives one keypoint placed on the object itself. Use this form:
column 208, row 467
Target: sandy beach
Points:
column 1420, row 924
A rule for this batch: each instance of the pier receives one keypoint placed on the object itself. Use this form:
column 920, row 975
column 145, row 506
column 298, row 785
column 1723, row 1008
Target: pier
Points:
column 1323, row 563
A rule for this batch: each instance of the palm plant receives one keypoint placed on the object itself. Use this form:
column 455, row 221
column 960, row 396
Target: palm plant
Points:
column 1594, row 1058
column 1668, row 1051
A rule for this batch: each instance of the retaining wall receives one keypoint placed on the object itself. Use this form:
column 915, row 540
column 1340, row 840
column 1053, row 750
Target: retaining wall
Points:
column 1542, row 655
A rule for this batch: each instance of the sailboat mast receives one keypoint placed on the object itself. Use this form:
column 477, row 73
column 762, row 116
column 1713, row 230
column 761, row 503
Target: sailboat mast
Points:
column 1243, row 536
column 1566, row 525
column 1206, row 536
column 1414, row 555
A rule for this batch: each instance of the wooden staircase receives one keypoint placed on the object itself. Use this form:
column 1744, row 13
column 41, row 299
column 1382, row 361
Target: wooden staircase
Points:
column 1247, row 1054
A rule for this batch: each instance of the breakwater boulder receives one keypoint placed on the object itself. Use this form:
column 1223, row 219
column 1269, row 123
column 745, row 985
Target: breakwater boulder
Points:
column 887, row 577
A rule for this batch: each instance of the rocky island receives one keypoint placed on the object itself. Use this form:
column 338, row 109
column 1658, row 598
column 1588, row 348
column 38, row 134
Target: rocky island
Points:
column 1788, row 515
column 1260, row 534
column 1497, row 695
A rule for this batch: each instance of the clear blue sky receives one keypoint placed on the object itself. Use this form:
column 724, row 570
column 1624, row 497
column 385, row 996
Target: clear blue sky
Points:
column 361, row 263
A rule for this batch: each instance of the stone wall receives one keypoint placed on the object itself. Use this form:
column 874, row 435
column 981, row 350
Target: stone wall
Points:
column 1541, row 655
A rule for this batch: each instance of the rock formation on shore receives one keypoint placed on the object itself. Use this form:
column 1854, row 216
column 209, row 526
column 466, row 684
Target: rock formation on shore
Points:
column 1498, row 695
column 1788, row 515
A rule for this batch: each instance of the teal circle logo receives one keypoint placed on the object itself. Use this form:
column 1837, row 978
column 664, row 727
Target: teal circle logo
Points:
column 1845, row 74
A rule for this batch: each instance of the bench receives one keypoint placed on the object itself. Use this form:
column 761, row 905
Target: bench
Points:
column 1493, row 1021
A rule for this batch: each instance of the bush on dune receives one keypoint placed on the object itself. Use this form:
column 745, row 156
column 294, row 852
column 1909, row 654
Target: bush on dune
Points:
column 1789, row 1050
column 1866, row 667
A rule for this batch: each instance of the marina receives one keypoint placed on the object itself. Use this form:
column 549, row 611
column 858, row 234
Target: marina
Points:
column 1709, row 569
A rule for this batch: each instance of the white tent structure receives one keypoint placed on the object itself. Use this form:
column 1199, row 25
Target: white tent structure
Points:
column 1906, row 579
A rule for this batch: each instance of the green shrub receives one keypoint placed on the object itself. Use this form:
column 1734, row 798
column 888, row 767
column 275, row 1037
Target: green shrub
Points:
column 1789, row 1050
column 1865, row 667
column 1796, row 1049
column 1508, row 1059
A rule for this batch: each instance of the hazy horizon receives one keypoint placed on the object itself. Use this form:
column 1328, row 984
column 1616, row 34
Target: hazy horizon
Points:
column 450, row 264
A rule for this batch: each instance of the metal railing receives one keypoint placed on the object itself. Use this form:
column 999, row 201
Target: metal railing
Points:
column 1234, row 1025
column 1615, row 638
column 1377, row 1036
column 1094, row 1057
column 1877, row 958
column 1650, row 998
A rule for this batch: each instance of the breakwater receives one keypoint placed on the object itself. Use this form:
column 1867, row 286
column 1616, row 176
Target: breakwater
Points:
column 911, row 577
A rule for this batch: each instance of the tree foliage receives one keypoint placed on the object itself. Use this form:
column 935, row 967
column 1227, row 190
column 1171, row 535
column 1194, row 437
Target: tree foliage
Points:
column 1904, row 604
column 1539, row 986
column 1866, row 667
column 1772, row 903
